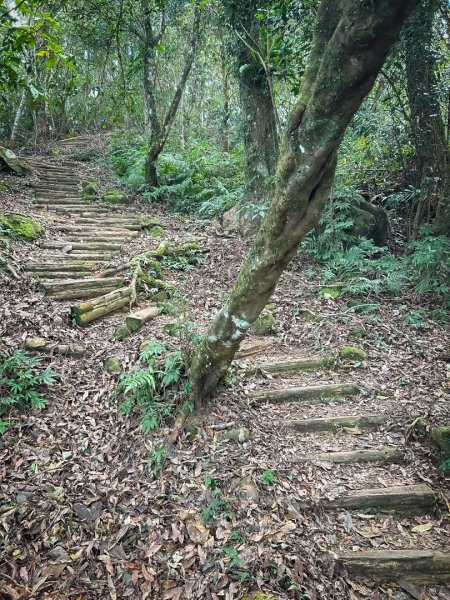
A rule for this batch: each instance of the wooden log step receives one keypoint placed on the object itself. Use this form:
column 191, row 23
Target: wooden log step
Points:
column 98, row 307
column 59, row 274
column 42, row 345
column 79, row 210
column 417, row 566
column 91, row 282
column 65, row 263
column 386, row 455
column 404, row 499
column 312, row 393
column 81, row 246
column 58, row 200
column 72, row 238
column 135, row 320
column 57, row 187
column 334, row 423
column 93, row 230
column 77, row 255
column 80, row 294
column 296, row 365
column 131, row 224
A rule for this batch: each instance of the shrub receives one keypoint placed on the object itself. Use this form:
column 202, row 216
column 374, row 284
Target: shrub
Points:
column 201, row 180
column 147, row 388
column 21, row 383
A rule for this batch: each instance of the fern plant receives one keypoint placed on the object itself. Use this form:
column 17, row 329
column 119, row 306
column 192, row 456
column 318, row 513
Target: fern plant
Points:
column 21, row 384
column 151, row 391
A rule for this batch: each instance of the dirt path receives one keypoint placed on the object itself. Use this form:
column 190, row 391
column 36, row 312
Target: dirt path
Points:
column 304, row 480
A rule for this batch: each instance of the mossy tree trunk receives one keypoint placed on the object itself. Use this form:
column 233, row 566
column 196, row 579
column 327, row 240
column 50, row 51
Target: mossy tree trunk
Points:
column 351, row 41
column 258, row 111
column 161, row 126
column 427, row 124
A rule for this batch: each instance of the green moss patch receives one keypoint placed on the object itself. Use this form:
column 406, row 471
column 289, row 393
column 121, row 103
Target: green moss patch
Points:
column 21, row 227
column 441, row 438
column 115, row 197
column 264, row 324
column 90, row 189
column 352, row 353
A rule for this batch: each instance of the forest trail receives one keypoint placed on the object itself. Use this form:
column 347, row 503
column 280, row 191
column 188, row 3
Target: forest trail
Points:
column 349, row 428
column 92, row 233
column 311, row 460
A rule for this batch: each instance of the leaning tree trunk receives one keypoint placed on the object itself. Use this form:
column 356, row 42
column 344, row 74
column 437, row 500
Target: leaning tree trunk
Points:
column 160, row 134
column 351, row 42
column 427, row 125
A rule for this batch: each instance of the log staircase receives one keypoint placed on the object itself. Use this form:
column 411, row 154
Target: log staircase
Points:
column 93, row 233
column 416, row 565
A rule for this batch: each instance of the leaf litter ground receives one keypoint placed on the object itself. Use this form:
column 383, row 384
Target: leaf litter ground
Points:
column 83, row 516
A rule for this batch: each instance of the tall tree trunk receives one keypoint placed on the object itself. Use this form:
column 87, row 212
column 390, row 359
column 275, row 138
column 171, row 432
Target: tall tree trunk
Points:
column 159, row 136
column 352, row 39
column 225, row 133
column 427, row 124
column 258, row 110
column 19, row 112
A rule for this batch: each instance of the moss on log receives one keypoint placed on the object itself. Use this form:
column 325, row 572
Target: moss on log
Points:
column 135, row 320
column 98, row 307
column 317, row 393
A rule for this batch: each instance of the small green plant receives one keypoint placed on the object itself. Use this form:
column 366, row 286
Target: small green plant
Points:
column 445, row 465
column 268, row 477
column 156, row 459
column 152, row 390
column 21, row 384
column 233, row 554
column 415, row 319
column 376, row 510
column 187, row 261
column 218, row 504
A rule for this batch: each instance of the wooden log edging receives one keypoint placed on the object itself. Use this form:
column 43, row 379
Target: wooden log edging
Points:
column 386, row 455
column 404, row 499
column 418, row 566
column 335, row 423
column 102, row 305
column 42, row 345
column 296, row 365
column 312, row 393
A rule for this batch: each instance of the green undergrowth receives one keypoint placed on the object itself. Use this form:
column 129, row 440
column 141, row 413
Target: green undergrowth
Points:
column 202, row 179
column 153, row 388
column 22, row 383
column 364, row 270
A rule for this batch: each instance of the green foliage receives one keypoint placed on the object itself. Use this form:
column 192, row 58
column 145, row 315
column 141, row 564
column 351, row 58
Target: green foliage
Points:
column 233, row 554
column 429, row 264
column 156, row 460
column 186, row 261
column 21, row 384
column 367, row 270
column 201, row 180
column 152, row 390
column 218, row 505
column 268, row 477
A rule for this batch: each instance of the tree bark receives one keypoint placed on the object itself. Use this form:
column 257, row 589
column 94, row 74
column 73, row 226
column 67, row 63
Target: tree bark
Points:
column 427, row 125
column 351, row 43
column 258, row 111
